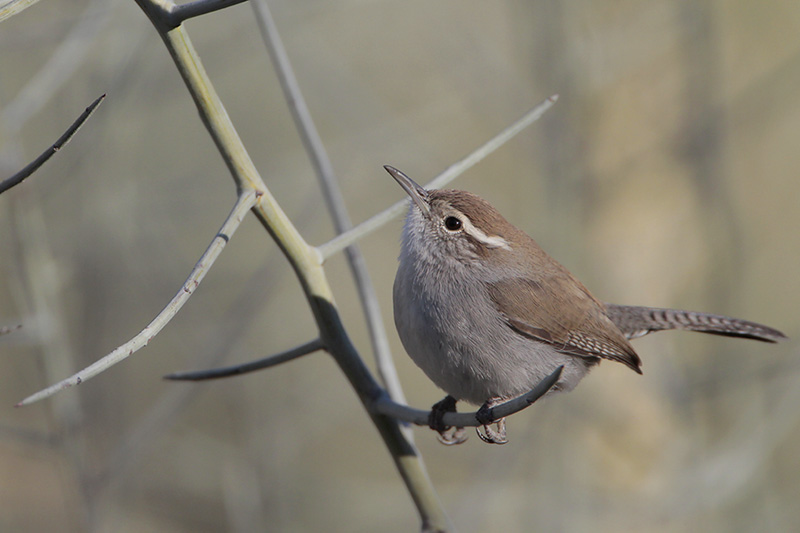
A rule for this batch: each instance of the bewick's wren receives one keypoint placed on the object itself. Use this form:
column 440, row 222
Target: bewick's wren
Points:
column 487, row 314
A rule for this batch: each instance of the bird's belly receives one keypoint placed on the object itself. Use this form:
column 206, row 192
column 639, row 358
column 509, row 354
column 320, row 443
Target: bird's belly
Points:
column 475, row 356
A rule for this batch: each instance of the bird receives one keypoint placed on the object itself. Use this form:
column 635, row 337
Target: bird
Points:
column 486, row 313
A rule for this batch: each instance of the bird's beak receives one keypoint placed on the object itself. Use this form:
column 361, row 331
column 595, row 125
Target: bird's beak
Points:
column 418, row 194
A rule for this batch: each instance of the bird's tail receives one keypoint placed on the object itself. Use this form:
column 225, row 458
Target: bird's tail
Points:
column 634, row 321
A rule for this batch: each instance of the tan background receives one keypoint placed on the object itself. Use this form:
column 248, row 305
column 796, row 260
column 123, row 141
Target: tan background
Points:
column 667, row 174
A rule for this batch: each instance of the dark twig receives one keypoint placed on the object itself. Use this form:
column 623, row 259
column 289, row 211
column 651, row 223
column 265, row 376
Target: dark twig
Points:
column 385, row 406
column 237, row 370
column 17, row 178
column 180, row 13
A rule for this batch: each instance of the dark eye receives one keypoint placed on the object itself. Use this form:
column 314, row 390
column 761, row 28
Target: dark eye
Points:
column 452, row 223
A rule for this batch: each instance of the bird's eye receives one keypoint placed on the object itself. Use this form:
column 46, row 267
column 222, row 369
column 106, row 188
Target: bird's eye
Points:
column 452, row 223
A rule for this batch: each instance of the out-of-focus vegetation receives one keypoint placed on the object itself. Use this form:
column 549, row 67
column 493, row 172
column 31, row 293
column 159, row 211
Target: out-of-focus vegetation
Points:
column 665, row 175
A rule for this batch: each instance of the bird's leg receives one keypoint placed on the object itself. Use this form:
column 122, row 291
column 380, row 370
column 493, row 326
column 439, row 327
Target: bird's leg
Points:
column 448, row 435
column 486, row 417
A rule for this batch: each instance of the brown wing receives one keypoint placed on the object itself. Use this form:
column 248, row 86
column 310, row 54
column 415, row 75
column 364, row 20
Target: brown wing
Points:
column 537, row 310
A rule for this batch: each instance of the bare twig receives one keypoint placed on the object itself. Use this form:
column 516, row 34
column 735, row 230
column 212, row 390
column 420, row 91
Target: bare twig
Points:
column 333, row 197
column 344, row 240
column 17, row 178
column 199, row 7
column 243, row 205
column 237, row 370
column 386, row 406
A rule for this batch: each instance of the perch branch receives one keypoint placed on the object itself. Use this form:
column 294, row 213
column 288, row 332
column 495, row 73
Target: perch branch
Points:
column 17, row 178
column 243, row 205
column 385, row 406
column 237, row 370
column 340, row 242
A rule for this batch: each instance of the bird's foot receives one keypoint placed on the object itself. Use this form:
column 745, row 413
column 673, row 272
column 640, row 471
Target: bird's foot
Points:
column 448, row 435
column 452, row 436
column 486, row 417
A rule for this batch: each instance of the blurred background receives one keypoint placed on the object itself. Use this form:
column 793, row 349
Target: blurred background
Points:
column 665, row 175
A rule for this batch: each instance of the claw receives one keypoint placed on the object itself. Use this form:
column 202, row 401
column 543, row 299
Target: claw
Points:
column 448, row 435
column 486, row 417
column 452, row 436
column 491, row 436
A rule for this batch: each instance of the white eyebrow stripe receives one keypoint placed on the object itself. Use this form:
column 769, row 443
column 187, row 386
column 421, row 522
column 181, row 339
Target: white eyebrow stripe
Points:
column 491, row 241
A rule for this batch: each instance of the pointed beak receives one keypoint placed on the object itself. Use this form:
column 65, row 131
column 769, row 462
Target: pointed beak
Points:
column 418, row 195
